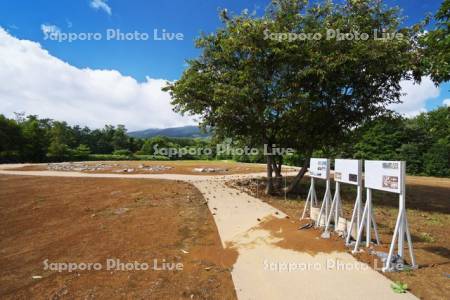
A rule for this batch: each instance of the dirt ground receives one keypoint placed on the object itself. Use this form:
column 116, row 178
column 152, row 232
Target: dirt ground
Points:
column 428, row 207
column 177, row 167
column 91, row 220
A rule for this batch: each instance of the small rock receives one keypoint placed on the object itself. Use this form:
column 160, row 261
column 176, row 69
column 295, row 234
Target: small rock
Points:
column 121, row 210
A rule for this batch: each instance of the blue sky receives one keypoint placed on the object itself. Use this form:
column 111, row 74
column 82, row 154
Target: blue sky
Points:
column 157, row 59
column 23, row 20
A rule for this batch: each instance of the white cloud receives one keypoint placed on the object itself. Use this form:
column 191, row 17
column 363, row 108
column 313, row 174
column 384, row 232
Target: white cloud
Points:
column 35, row 82
column 102, row 5
column 416, row 96
column 446, row 102
column 48, row 29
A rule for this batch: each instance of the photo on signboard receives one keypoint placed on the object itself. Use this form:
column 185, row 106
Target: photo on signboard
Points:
column 353, row 177
column 390, row 182
column 390, row 165
column 337, row 176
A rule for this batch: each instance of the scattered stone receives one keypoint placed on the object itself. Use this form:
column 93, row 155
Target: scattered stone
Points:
column 325, row 235
column 121, row 210
column 210, row 170
column 80, row 167
column 156, row 168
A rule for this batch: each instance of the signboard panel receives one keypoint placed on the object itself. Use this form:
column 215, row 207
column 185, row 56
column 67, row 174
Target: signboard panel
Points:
column 319, row 168
column 384, row 175
column 348, row 171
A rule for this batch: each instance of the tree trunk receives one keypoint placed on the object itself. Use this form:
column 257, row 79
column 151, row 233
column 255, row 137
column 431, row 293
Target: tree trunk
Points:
column 298, row 177
column 269, row 185
column 277, row 169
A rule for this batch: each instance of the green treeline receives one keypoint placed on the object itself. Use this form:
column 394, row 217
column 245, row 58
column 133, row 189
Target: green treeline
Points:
column 423, row 142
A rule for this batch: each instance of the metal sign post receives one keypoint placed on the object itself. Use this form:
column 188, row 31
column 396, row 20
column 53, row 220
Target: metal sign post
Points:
column 357, row 209
column 325, row 204
column 401, row 227
column 311, row 199
column 348, row 171
column 319, row 168
column 387, row 176
column 367, row 220
column 336, row 209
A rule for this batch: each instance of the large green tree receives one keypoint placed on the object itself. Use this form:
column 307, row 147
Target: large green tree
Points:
column 255, row 85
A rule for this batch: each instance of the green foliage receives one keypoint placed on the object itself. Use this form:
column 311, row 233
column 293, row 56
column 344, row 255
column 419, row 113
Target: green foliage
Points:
column 30, row 139
column 122, row 152
column 422, row 141
column 11, row 138
column 437, row 160
column 81, row 152
column 159, row 142
column 399, row 287
column 436, row 45
column 58, row 151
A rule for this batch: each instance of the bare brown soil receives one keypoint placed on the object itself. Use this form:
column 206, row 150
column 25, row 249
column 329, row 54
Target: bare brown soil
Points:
column 428, row 207
column 294, row 239
column 92, row 220
column 178, row 167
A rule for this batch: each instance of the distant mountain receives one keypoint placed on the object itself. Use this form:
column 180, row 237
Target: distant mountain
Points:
column 180, row 132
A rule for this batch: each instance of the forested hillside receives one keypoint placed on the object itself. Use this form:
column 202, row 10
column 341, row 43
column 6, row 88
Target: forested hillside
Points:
column 423, row 142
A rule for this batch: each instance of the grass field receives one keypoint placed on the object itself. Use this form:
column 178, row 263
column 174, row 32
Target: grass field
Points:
column 95, row 219
column 428, row 207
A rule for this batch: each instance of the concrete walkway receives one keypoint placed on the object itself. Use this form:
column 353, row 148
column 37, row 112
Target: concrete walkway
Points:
column 260, row 271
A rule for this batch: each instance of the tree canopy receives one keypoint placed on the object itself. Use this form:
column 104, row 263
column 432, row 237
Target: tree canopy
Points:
column 436, row 45
column 252, row 83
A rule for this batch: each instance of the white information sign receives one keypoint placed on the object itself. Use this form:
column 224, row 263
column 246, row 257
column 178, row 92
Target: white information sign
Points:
column 348, row 171
column 384, row 175
column 319, row 168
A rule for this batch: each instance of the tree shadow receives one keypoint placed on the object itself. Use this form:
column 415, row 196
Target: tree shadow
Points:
column 438, row 250
column 420, row 197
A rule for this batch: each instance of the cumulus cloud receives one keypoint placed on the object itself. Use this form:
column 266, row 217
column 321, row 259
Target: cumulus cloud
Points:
column 101, row 5
column 416, row 96
column 38, row 83
column 446, row 102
